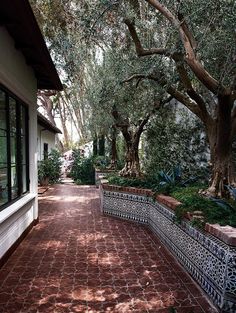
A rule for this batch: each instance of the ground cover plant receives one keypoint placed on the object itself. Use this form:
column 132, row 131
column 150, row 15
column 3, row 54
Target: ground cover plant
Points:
column 188, row 192
column 214, row 210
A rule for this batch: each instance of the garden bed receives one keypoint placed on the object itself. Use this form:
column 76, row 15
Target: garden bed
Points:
column 208, row 255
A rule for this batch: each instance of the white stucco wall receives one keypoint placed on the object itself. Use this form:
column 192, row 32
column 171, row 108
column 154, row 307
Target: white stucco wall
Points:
column 19, row 78
column 45, row 136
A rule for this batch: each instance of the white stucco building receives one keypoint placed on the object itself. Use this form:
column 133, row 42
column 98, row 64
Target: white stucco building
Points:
column 46, row 136
column 25, row 66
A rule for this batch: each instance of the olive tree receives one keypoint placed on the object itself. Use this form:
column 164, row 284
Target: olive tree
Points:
column 191, row 38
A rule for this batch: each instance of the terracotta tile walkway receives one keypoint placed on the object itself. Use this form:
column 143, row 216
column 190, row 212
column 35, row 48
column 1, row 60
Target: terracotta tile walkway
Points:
column 76, row 260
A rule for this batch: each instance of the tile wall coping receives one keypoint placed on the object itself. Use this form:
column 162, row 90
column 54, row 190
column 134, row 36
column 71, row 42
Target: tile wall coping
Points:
column 225, row 233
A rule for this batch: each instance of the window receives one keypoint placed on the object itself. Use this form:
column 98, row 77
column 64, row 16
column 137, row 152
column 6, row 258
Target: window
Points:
column 14, row 169
column 45, row 151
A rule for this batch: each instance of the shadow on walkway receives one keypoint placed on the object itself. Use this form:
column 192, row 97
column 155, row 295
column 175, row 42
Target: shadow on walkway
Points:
column 76, row 260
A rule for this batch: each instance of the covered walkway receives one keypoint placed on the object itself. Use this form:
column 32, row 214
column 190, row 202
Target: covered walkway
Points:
column 76, row 260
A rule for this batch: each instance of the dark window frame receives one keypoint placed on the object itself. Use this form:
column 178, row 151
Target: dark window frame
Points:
column 20, row 147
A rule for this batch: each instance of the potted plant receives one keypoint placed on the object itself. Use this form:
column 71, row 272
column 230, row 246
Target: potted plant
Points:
column 44, row 171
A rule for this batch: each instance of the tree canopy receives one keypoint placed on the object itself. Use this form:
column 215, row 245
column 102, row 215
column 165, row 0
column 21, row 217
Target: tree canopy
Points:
column 120, row 60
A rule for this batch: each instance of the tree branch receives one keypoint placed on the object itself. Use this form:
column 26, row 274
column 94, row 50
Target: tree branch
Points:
column 190, row 57
column 139, row 49
column 186, row 81
column 187, row 30
column 181, row 97
column 121, row 123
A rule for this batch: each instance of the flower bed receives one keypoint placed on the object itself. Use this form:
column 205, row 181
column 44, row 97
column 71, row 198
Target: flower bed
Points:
column 209, row 256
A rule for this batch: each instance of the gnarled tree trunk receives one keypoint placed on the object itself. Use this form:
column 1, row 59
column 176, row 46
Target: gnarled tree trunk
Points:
column 132, row 165
column 132, row 138
column 114, row 154
column 220, row 141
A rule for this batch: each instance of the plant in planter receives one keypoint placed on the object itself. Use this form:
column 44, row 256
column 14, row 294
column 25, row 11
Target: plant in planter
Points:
column 44, row 171
column 49, row 169
column 174, row 178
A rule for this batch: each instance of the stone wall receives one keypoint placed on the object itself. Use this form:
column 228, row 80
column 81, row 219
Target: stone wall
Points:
column 209, row 260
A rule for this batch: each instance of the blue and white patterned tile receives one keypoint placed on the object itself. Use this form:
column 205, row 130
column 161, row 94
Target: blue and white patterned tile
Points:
column 210, row 261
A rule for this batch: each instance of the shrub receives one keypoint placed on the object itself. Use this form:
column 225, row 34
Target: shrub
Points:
column 143, row 182
column 176, row 138
column 100, row 162
column 82, row 170
column 50, row 167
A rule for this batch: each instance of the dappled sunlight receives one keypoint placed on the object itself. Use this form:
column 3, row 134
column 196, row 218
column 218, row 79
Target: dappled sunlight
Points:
column 47, row 299
column 108, row 259
column 41, row 225
column 54, row 244
column 94, row 294
column 75, row 260
column 74, row 199
column 65, row 197
column 86, row 239
column 51, row 198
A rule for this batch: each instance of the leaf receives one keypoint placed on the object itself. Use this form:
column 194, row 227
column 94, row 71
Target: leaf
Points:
column 231, row 190
column 223, row 204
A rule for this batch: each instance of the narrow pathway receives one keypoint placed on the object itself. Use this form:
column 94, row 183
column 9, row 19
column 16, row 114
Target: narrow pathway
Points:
column 76, row 260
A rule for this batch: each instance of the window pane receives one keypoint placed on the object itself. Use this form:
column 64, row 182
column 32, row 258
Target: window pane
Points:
column 14, row 183
column 2, row 110
column 24, row 178
column 23, row 150
column 45, row 150
column 13, row 150
column 3, row 186
column 23, row 120
column 12, row 112
column 3, row 148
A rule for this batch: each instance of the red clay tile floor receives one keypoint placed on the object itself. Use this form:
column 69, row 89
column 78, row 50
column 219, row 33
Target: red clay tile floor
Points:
column 77, row 260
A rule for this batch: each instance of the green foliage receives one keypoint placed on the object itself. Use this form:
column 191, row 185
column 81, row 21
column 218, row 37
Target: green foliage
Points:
column 120, row 152
column 159, row 182
column 149, row 182
column 189, row 197
column 213, row 213
column 174, row 178
column 94, row 52
column 100, row 162
column 232, row 191
column 132, row 182
column 176, row 137
column 82, row 170
column 50, row 167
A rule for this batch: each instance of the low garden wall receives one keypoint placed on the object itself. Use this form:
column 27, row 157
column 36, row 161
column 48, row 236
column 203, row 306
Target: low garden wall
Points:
column 209, row 256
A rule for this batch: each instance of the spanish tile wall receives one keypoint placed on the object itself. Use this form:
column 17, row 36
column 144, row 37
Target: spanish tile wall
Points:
column 211, row 262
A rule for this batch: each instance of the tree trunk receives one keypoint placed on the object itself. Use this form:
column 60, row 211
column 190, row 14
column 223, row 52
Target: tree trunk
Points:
column 101, row 145
column 132, row 165
column 95, row 146
column 114, row 154
column 61, row 108
column 220, row 140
